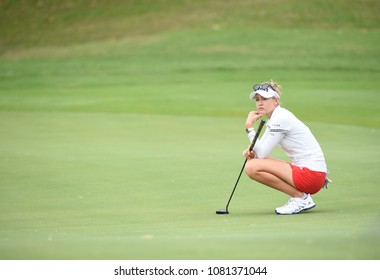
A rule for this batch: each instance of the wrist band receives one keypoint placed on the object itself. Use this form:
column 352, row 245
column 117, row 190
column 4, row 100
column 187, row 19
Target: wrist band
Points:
column 248, row 130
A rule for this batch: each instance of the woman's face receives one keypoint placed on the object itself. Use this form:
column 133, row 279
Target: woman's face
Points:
column 266, row 106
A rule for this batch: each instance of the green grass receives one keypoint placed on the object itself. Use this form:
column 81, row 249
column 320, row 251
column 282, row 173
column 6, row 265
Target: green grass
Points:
column 98, row 183
column 56, row 23
column 122, row 143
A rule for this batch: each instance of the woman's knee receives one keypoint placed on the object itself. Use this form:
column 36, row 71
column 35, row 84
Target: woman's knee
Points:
column 251, row 168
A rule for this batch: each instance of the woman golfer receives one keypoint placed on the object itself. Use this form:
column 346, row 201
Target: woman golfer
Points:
column 306, row 174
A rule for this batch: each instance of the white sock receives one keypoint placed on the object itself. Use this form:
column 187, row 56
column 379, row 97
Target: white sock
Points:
column 303, row 197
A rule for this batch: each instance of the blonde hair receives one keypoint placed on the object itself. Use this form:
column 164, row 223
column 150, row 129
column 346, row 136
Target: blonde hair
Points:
column 275, row 86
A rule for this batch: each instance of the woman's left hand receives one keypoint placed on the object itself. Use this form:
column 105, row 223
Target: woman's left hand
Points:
column 248, row 154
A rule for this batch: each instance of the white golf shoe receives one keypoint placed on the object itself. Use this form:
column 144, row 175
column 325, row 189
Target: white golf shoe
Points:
column 296, row 205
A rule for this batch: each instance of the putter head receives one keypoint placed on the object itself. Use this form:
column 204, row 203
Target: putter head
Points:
column 222, row 211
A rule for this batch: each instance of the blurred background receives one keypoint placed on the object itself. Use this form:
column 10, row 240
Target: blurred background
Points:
column 122, row 126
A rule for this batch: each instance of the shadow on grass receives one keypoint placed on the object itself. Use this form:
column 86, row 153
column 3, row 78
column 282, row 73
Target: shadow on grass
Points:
column 272, row 213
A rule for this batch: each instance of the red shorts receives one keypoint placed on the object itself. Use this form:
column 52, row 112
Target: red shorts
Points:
column 306, row 180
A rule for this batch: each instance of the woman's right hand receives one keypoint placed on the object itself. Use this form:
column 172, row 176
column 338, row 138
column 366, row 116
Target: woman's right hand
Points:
column 253, row 116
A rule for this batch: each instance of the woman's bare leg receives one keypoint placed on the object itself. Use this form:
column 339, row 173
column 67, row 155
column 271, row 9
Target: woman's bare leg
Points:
column 274, row 173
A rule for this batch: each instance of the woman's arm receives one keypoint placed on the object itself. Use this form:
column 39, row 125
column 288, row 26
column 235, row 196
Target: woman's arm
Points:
column 269, row 140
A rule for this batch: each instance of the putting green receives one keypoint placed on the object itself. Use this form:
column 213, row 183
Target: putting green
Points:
column 122, row 127
column 98, row 186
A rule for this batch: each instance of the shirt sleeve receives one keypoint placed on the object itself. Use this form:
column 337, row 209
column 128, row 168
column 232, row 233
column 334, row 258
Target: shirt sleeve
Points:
column 270, row 139
column 276, row 130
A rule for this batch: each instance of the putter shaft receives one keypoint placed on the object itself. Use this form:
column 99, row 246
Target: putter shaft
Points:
column 262, row 122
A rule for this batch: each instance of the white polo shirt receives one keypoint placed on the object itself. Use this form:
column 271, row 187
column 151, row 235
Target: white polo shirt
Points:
column 294, row 137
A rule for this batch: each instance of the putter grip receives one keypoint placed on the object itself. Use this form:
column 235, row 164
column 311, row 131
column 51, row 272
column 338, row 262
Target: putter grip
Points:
column 262, row 122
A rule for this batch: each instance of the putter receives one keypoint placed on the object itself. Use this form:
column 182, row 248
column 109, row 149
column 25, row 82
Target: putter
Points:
column 225, row 211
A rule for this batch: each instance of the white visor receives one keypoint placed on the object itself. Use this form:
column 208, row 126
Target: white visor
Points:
column 269, row 93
